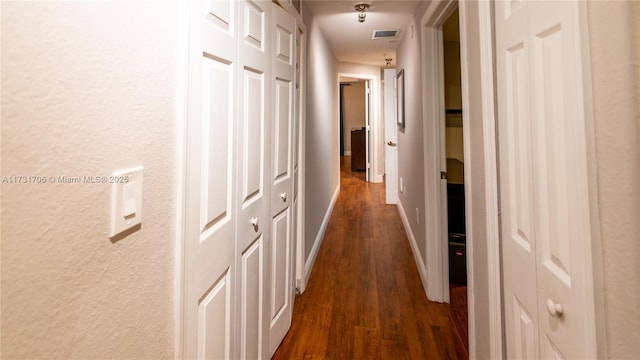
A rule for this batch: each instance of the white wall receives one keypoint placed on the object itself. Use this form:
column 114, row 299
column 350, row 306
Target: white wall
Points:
column 372, row 73
column 322, row 169
column 615, row 73
column 88, row 88
column 410, row 139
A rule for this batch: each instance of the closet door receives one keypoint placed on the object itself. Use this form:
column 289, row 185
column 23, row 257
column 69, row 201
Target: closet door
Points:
column 546, row 239
column 227, row 209
column 254, row 121
column 210, row 209
column 281, row 181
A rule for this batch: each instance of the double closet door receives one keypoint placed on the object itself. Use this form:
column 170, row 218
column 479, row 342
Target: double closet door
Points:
column 238, row 283
column 544, row 181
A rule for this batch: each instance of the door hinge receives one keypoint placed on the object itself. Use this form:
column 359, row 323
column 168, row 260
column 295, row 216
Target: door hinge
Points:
column 443, row 175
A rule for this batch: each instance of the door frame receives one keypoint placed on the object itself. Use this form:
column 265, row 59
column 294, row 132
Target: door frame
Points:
column 301, row 109
column 433, row 108
column 433, row 111
column 370, row 121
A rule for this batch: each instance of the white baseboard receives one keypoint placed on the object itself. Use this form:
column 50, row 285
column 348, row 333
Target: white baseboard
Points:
column 422, row 269
column 347, row 153
column 308, row 266
column 377, row 178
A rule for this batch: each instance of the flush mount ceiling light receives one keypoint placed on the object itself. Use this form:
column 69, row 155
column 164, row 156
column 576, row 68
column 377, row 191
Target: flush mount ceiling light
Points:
column 361, row 9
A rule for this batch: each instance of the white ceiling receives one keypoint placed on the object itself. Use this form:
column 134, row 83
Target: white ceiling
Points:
column 351, row 40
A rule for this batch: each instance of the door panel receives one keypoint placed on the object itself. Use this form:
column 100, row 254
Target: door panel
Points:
column 525, row 332
column 252, row 138
column 214, row 321
column 252, row 301
column 545, row 211
column 252, row 231
column 283, row 82
column 209, row 201
column 564, row 255
column 217, row 166
column 519, row 246
column 280, row 264
column 283, row 123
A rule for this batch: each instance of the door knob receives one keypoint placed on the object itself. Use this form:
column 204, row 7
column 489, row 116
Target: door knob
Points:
column 254, row 222
column 555, row 309
column 283, row 196
column 391, row 143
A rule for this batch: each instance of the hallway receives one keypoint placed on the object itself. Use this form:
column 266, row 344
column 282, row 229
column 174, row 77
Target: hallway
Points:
column 365, row 298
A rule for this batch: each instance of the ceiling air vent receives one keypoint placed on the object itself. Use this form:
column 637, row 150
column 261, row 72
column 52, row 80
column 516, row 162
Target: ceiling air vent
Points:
column 385, row 34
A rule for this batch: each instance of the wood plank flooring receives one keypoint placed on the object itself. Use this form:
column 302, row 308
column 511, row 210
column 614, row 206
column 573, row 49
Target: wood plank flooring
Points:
column 365, row 299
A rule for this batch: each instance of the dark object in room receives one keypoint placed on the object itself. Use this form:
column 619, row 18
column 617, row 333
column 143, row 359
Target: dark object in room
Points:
column 358, row 150
column 457, row 234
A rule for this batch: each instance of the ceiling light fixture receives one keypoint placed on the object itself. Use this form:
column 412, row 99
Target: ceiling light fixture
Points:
column 362, row 11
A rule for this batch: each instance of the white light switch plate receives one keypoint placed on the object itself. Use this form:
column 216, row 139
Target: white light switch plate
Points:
column 126, row 200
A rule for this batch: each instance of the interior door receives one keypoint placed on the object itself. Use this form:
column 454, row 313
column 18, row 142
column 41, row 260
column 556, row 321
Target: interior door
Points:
column 210, row 290
column 390, row 137
column 254, row 191
column 548, row 294
column 281, row 251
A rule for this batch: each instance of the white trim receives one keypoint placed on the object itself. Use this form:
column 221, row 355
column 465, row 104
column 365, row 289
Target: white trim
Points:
column 318, row 241
column 490, row 160
column 302, row 125
column 347, row 153
column 422, row 269
column 436, row 13
column 377, row 178
column 597, row 266
column 492, row 209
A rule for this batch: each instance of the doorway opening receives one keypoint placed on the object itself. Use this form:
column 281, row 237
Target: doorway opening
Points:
column 454, row 192
column 355, row 110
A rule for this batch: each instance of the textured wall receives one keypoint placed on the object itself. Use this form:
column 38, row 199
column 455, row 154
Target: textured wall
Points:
column 322, row 170
column 614, row 63
column 87, row 89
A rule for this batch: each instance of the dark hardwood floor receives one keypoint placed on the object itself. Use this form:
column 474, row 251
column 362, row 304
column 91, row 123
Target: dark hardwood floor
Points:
column 364, row 299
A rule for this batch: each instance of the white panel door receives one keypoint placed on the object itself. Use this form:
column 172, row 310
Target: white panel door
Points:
column 390, row 137
column 282, row 175
column 546, row 256
column 254, row 119
column 210, row 207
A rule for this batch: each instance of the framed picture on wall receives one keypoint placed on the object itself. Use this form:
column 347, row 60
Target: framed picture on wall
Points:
column 400, row 98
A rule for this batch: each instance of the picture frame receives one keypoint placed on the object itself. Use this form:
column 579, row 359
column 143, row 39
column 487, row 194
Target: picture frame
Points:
column 400, row 99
